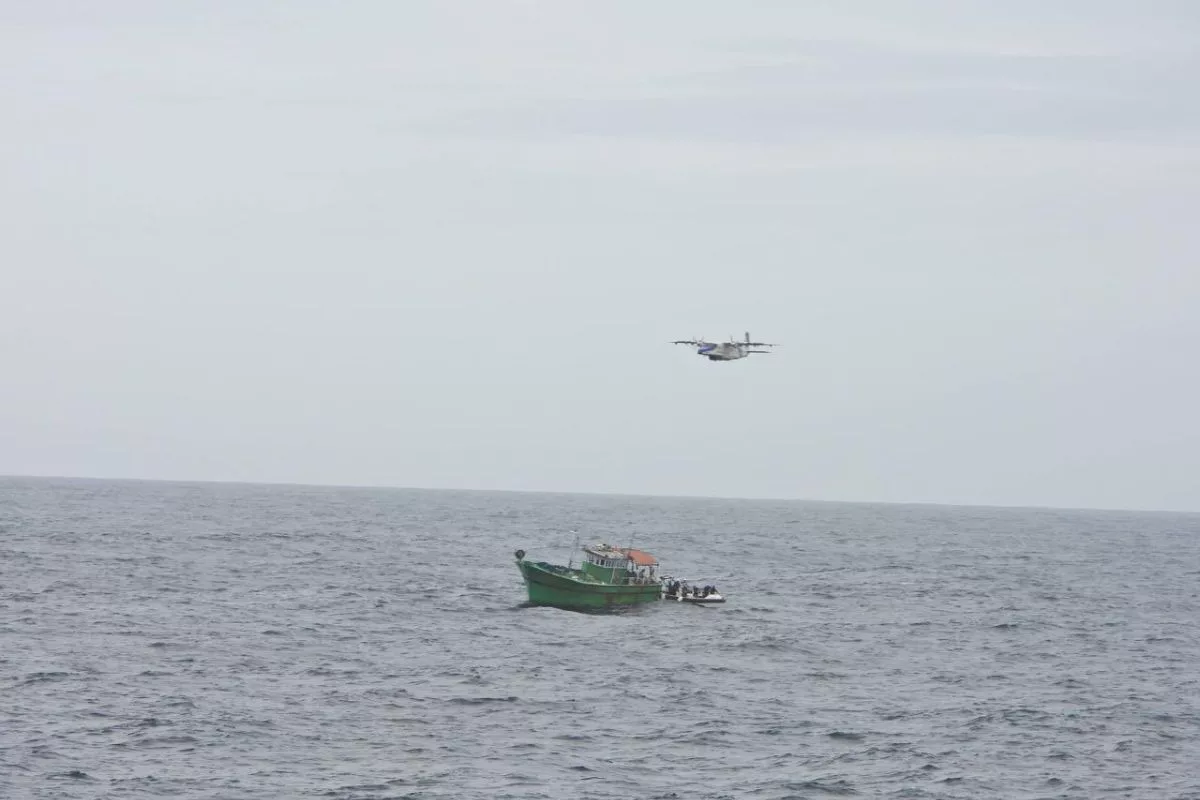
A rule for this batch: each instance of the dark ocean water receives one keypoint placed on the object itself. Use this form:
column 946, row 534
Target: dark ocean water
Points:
column 232, row 641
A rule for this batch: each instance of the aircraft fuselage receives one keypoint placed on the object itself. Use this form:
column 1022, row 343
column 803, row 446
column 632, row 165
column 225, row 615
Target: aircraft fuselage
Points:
column 721, row 352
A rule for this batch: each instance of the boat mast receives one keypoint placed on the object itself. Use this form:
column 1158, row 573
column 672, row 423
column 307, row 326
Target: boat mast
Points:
column 573, row 549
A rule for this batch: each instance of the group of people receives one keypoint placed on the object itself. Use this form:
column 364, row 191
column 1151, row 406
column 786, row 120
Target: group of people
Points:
column 641, row 576
column 676, row 589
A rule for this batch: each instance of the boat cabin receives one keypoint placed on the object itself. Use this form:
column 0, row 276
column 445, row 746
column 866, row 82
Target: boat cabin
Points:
column 619, row 565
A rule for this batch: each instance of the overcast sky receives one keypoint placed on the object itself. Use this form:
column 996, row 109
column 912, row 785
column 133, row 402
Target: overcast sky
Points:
column 443, row 244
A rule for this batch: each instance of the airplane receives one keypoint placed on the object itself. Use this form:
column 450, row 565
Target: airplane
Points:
column 725, row 351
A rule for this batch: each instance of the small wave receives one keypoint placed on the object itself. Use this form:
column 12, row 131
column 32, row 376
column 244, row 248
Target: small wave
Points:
column 367, row 787
column 478, row 701
column 43, row 751
column 942, row 677
column 765, row 643
column 1017, row 716
column 327, row 672
column 475, row 680
column 160, row 741
column 846, row 735
column 74, row 774
column 43, row 677
column 68, row 585
column 835, row 787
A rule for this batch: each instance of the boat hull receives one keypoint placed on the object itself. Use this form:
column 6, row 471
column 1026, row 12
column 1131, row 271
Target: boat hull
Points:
column 699, row 601
column 551, row 585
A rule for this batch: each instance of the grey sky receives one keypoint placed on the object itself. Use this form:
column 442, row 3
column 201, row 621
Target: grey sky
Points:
column 447, row 244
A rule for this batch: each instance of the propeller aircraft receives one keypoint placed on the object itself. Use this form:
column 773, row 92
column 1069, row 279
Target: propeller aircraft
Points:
column 725, row 351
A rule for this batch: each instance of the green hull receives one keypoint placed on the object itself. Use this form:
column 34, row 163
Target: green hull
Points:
column 553, row 585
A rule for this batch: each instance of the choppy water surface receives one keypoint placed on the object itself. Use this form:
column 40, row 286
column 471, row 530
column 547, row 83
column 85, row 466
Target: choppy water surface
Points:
column 226, row 641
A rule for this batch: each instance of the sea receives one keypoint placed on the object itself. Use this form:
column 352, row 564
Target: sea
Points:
column 206, row 640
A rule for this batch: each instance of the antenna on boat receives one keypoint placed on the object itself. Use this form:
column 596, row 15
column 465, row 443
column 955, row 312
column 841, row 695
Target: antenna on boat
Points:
column 576, row 547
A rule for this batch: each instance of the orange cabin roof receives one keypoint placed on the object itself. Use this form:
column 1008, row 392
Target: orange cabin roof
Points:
column 640, row 557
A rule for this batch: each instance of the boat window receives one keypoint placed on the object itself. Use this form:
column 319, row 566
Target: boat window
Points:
column 607, row 563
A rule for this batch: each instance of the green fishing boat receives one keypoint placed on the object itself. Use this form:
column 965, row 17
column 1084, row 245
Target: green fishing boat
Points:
column 607, row 577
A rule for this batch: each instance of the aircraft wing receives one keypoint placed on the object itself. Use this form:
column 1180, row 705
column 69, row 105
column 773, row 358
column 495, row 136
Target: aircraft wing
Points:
column 748, row 343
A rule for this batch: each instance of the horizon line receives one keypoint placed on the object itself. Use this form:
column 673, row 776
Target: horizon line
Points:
column 578, row 493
